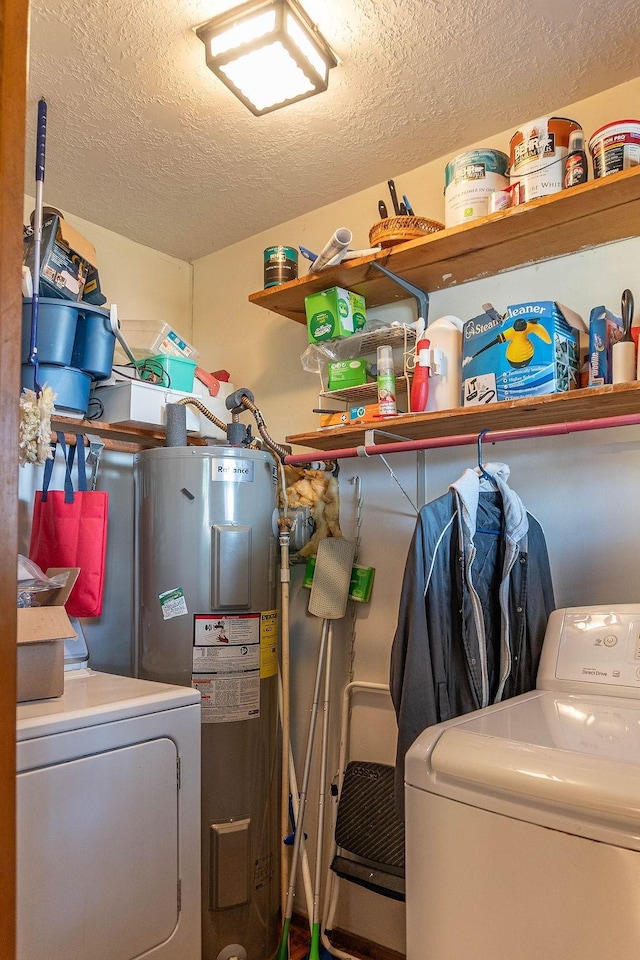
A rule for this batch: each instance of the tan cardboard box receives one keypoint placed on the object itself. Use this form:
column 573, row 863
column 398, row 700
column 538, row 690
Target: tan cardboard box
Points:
column 42, row 631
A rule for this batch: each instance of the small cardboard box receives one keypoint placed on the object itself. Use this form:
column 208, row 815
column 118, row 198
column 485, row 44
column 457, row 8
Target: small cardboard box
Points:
column 605, row 329
column 334, row 313
column 66, row 260
column 533, row 350
column 42, row 631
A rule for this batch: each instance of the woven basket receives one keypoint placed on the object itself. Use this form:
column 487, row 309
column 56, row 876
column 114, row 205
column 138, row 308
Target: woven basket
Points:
column 386, row 233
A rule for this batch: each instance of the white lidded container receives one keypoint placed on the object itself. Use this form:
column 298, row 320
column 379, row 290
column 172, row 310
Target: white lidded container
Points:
column 470, row 179
column 445, row 382
column 615, row 147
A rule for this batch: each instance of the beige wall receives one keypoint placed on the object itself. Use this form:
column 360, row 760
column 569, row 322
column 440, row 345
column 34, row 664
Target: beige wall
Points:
column 261, row 349
column 574, row 485
column 149, row 288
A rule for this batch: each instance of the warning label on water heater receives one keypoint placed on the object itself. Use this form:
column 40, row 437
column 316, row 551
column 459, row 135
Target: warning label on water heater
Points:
column 227, row 658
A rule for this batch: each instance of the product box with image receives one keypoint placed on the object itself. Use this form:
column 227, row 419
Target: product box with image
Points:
column 334, row 313
column 533, row 350
column 67, row 261
column 605, row 329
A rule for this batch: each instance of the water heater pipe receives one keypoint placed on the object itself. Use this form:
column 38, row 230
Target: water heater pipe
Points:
column 489, row 436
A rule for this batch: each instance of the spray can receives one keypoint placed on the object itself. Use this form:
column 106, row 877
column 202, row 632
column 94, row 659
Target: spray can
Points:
column 575, row 168
column 386, row 382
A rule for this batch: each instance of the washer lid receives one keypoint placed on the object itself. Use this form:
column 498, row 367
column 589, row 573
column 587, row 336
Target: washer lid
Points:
column 90, row 698
column 559, row 760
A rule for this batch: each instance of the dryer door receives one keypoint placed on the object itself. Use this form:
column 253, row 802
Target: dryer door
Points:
column 97, row 841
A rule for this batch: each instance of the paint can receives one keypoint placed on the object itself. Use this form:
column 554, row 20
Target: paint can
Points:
column 615, row 147
column 470, row 179
column 280, row 265
column 537, row 153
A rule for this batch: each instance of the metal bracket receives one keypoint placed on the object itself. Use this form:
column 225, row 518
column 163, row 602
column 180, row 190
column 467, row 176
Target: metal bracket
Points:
column 96, row 446
column 421, row 296
column 370, row 438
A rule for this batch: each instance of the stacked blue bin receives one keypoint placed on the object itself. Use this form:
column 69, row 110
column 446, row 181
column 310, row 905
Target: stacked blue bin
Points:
column 75, row 346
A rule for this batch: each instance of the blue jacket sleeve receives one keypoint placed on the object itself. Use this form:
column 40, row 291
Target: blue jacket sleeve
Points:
column 411, row 676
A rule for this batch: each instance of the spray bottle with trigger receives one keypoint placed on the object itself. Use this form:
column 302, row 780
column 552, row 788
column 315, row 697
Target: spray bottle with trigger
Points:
column 419, row 396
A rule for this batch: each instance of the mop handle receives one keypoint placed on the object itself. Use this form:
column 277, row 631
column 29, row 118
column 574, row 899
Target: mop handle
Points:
column 41, row 140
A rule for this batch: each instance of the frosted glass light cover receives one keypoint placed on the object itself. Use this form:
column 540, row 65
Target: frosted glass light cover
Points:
column 244, row 32
column 268, row 76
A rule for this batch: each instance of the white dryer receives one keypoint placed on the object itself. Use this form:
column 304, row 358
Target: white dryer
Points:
column 108, row 822
column 523, row 819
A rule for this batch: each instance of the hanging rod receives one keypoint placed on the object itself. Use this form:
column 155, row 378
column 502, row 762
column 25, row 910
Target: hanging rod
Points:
column 464, row 439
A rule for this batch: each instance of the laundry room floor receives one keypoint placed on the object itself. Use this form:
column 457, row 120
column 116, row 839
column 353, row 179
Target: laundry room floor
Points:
column 299, row 943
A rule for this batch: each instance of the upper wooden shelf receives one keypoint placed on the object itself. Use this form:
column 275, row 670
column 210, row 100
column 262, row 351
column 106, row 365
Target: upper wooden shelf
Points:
column 577, row 219
column 593, row 403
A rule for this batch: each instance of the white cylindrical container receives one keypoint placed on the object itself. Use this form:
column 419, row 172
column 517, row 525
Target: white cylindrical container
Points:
column 470, row 179
column 445, row 382
column 615, row 147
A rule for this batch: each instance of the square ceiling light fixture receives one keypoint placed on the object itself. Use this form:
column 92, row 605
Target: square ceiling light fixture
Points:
column 268, row 52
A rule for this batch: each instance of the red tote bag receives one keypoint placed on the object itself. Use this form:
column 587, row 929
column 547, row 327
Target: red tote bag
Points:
column 70, row 530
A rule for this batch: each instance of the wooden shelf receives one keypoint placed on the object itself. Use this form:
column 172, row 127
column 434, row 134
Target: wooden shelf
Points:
column 593, row 403
column 124, row 438
column 583, row 217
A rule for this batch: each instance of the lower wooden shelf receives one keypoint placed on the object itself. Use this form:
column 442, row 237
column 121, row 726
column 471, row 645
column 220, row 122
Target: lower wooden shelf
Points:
column 117, row 436
column 593, row 403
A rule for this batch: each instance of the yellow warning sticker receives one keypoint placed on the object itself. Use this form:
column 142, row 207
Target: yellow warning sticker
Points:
column 268, row 643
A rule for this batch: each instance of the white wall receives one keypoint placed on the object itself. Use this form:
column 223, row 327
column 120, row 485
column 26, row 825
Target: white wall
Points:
column 583, row 488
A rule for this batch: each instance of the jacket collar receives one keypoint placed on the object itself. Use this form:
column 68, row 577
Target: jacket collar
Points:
column 468, row 488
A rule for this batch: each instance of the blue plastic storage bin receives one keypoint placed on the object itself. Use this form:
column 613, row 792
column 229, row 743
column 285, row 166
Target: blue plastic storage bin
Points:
column 71, row 386
column 57, row 321
column 94, row 343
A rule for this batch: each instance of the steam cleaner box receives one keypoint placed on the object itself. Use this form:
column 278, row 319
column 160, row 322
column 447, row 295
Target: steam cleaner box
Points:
column 334, row 313
column 605, row 329
column 533, row 350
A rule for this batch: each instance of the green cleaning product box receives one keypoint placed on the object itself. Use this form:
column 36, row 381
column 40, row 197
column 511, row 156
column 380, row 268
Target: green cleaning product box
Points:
column 533, row 350
column 334, row 313
column 360, row 586
column 347, row 373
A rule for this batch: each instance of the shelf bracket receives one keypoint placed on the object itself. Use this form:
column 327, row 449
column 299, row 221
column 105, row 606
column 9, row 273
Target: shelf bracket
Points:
column 421, row 296
column 370, row 439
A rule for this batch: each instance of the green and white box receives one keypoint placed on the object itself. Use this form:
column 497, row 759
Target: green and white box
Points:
column 334, row 313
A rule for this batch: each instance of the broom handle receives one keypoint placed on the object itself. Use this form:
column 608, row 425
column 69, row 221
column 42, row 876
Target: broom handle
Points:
column 41, row 140
column 305, row 775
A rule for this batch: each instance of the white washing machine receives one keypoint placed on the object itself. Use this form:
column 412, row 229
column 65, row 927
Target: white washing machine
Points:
column 108, row 821
column 523, row 819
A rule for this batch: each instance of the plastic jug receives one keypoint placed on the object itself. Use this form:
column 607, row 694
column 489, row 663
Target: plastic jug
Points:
column 445, row 335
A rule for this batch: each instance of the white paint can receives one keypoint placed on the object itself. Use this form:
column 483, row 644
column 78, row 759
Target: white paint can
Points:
column 470, row 179
column 615, row 147
column 537, row 153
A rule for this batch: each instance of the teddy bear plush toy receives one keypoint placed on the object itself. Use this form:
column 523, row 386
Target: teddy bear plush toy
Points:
column 318, row 490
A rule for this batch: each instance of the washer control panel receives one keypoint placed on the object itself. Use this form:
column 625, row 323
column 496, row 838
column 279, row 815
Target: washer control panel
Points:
column 597, row 645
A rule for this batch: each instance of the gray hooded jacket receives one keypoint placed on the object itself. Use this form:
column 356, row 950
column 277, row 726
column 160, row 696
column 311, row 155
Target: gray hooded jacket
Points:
column 475, row 601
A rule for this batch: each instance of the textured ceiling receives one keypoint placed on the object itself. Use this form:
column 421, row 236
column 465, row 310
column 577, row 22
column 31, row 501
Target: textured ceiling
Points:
column 144, row 140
